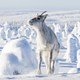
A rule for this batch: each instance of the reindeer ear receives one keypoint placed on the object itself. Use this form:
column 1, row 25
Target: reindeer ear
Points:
column 45, row 16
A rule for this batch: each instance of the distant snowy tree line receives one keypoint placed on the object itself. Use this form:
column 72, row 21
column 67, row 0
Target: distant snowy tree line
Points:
column 14, row 30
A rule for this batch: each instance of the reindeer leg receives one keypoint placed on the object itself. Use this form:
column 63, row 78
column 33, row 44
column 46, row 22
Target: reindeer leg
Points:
column 39, row 63
column 48, row 63
column 50, row 66
column 53, row 62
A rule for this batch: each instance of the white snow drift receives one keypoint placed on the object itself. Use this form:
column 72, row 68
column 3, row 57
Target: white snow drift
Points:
column 17, row 57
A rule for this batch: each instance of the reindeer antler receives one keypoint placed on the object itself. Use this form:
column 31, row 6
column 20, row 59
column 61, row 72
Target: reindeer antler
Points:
column 43, row 12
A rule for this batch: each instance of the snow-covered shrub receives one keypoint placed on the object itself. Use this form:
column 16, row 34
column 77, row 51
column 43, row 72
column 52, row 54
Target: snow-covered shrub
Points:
column 72, row 47
column 58, row 33
column 78, row 60
column 22, row 50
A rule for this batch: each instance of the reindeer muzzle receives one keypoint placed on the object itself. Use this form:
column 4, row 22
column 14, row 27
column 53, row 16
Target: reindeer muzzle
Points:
column 31, row 22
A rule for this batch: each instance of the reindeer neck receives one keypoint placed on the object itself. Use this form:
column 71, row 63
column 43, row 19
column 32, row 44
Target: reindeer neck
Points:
column 42, row 29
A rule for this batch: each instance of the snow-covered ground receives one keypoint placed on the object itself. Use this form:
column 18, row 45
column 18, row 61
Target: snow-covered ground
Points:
column 15, row 25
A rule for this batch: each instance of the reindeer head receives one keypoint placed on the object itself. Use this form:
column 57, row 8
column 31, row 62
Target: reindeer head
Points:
column 39, row 19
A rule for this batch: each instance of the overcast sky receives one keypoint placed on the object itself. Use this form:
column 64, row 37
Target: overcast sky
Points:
column 52, row 5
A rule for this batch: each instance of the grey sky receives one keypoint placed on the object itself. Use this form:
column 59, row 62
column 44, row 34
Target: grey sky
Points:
column 40, row 5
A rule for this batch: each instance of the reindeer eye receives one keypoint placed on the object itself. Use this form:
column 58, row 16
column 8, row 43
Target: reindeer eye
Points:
column 38, row 18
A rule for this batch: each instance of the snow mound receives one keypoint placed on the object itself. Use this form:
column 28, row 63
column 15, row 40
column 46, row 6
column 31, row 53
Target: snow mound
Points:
column 9, row 65
column 18, row 52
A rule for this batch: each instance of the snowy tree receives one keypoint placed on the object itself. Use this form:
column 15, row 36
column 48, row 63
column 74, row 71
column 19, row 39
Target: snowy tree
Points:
column 72, row 47
column 58, row 32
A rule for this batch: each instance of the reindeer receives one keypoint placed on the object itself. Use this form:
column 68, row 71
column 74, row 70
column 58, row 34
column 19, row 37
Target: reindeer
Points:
column 47, row 42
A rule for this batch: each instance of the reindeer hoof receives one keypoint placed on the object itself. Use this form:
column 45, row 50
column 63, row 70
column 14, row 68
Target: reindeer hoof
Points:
column 16, row 73
column 50, row 72
column 38, row 72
